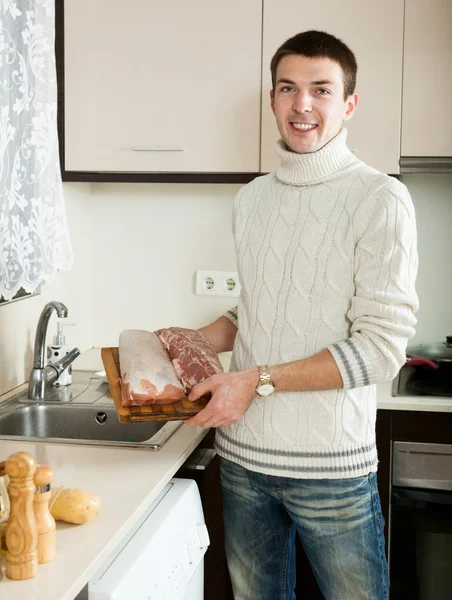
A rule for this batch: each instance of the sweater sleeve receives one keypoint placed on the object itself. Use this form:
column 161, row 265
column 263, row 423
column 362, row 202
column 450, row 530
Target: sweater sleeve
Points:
column 382, row 310
column 231, row 314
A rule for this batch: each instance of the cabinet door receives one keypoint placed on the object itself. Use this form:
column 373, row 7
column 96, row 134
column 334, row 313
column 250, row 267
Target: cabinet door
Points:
column 162, row 86
column 374, row 32
column 427, row 79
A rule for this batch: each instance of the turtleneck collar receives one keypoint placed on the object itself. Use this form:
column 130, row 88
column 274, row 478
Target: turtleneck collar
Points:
column 315, row 167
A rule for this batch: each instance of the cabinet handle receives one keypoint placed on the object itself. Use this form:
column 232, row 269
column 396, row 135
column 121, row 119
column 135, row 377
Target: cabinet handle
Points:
column 157, row 149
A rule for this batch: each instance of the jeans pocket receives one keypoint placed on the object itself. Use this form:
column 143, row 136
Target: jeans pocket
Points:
column 376, row 505
column 233, row 476
column 380, row 525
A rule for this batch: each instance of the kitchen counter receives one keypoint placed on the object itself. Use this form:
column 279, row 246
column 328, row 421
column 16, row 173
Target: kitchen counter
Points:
column 126, row 480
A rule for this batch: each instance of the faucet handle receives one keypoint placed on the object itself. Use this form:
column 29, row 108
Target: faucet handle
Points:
column 60, row 365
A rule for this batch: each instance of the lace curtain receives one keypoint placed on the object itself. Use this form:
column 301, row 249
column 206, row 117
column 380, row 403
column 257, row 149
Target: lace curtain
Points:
column 34, row 236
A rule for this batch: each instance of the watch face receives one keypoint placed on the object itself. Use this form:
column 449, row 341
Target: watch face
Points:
column 265, row 389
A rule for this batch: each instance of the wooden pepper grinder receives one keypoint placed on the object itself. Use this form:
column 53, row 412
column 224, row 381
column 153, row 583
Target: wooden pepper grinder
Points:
column 21, row 533
column 45, row 523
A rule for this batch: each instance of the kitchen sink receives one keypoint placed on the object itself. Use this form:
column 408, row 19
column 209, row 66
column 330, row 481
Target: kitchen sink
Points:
column 87, row 419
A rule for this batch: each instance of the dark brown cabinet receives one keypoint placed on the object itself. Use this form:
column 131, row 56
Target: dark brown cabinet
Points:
column 217, row 584
column 406, row 426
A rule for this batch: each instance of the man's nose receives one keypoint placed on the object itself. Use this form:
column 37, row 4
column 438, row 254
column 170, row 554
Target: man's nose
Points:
column 302, row 102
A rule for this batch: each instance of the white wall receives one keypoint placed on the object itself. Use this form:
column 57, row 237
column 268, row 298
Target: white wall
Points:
column 149, row 240
column 137, row 247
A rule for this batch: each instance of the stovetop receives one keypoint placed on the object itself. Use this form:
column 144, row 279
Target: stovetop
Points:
column 422, row 381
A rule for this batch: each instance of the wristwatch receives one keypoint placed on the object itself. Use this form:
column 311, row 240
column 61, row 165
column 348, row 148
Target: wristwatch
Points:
column 265, row 387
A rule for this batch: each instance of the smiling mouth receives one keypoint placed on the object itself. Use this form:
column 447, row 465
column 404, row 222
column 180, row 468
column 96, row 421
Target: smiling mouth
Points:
column 303, row 126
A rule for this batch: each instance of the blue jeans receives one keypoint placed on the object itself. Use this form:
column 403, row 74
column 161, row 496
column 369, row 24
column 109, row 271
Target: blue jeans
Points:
column 339, row 523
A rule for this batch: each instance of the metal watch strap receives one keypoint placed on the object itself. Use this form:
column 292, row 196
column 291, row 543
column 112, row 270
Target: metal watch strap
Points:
column 264, row 374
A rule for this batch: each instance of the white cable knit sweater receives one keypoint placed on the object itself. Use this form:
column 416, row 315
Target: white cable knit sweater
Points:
column 326, row 253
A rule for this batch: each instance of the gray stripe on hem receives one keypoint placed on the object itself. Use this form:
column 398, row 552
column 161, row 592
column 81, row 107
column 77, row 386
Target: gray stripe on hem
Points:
column 359, row 358
column 296, row 454
column 294, row 468
column 346, row 364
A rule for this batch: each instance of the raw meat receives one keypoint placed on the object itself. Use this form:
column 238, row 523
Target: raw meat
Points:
column 147, row 375
column 193, row 356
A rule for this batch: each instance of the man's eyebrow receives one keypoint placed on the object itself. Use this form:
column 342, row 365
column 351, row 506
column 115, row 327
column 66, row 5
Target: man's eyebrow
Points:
column 320, row 82
column 289, row 81
column 323, row 82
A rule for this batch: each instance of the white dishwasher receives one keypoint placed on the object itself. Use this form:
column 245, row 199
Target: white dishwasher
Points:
column 163, row 557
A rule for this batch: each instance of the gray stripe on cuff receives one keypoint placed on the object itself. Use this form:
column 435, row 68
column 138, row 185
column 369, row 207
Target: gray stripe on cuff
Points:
column 347, row 365
column 361, row 363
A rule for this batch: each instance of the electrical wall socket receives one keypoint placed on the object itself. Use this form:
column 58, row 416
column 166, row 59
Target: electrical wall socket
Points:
column 217, row 283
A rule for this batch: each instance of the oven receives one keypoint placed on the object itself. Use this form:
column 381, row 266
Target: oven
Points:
column 420, row 522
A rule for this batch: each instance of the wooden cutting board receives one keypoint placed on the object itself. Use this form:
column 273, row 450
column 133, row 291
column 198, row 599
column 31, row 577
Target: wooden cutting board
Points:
column 182, row 409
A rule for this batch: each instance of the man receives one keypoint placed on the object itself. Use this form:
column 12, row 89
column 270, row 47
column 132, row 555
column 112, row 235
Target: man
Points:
column 326, row 252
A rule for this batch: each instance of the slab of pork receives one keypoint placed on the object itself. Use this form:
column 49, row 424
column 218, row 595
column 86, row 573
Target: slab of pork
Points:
column 147, row 375
column 193, row 356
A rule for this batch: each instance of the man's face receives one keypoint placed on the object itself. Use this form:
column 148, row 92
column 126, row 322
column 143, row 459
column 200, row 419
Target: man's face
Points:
column 308, row 102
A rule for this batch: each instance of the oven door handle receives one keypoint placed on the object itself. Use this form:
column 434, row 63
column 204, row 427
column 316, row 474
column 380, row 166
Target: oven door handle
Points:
column 411, row 497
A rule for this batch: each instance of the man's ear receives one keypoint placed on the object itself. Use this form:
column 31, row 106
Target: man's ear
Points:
column 272, row 101
column 351, row 104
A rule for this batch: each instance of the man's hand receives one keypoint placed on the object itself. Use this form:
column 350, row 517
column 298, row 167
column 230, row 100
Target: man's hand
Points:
column 232, row 394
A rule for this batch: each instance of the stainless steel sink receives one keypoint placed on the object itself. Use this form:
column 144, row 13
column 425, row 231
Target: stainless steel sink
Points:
column 88, row 419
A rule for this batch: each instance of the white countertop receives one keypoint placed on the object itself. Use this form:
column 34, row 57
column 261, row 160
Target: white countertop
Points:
column 386, row 401
column 126, row 480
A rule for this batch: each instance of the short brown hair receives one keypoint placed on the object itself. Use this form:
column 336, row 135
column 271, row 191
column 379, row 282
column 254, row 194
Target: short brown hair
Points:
column 319, row 44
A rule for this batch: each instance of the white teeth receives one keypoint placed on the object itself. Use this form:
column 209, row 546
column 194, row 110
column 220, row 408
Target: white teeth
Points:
column 303, row 126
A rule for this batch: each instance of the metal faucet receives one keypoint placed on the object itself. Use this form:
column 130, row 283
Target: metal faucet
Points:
column 41, row 375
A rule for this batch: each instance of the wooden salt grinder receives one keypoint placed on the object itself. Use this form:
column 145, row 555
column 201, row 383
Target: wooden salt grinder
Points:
column 21, row 533
column 45, row 523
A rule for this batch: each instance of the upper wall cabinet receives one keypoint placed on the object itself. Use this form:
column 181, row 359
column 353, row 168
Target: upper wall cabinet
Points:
column 427, row 79
column 374, row 31
column 162, row 86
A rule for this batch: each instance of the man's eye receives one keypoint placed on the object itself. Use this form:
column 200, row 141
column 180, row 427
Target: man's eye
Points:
column 322, row 91
column 287, row 88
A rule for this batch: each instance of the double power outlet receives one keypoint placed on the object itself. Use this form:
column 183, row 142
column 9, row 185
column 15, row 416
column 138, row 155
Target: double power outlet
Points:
column 217, row 283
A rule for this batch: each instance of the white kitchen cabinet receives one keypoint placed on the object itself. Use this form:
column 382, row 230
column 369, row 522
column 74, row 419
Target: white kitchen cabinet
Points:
column 427, row 79
column 374, row 32
column 162, row 86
